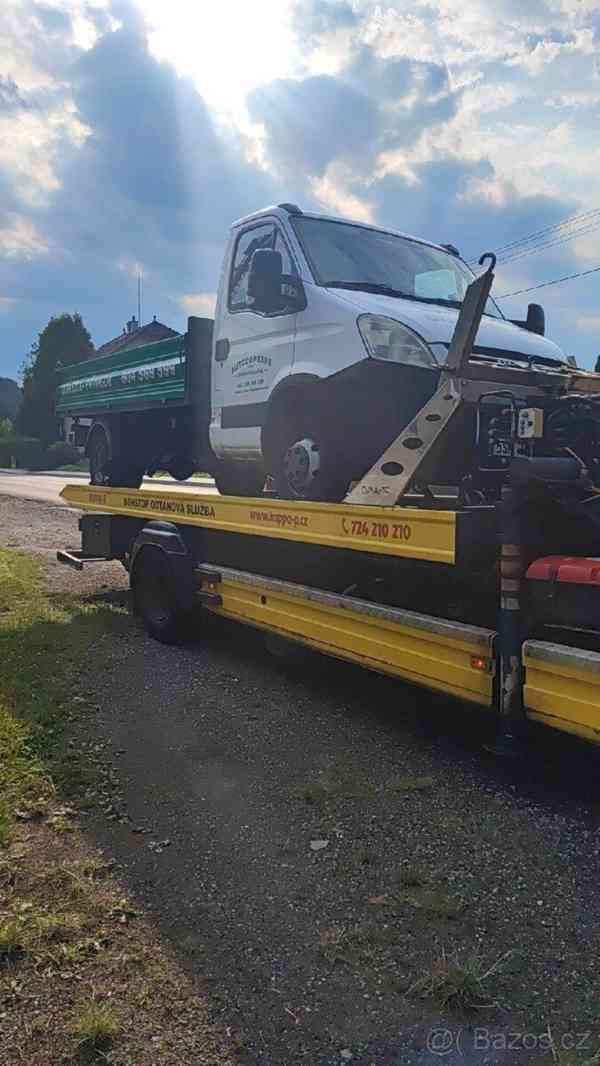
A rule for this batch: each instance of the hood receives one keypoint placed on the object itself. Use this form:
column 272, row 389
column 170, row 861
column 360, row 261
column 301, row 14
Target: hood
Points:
column 436, row 324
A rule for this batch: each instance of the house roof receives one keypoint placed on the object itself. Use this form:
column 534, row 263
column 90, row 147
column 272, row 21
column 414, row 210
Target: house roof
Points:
column 133, row 336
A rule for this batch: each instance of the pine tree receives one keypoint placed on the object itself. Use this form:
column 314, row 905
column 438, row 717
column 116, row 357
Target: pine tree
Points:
column 64, row 340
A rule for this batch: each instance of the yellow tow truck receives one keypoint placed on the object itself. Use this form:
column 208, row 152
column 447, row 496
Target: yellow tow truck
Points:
column 487, row 589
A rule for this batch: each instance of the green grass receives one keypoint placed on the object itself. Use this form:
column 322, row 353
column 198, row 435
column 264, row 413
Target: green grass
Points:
column 82, row 467
column 42, row 638
column 96, row 1025
column 11, row 943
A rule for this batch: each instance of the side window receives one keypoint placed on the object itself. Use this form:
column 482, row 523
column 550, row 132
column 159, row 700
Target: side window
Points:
column 288, row 306
column 286, row 260
column 249, row 241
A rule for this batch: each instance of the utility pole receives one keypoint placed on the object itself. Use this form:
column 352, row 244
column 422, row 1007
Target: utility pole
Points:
column 139, row 298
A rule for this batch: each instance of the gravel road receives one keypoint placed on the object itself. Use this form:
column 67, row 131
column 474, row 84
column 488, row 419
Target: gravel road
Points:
column 311, row 838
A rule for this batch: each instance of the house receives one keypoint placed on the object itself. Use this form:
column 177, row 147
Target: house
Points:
column 134, row 335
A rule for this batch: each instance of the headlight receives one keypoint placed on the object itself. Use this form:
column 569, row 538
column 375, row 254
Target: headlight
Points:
column 386, row 339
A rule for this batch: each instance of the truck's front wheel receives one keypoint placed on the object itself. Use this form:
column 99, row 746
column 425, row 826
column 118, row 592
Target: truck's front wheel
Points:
column 239, row 479
column 307, row 462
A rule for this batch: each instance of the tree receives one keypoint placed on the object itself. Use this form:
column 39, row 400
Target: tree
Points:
column 6, row 427
column 10, row 398
column 64, row 340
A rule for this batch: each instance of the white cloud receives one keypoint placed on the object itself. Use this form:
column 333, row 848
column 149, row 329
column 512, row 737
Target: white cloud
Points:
column 330, row 193
column 198, row 303
column 20, row 239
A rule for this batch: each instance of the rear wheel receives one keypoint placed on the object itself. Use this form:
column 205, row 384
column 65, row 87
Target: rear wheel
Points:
column 108, row 464
column 239, row 479
column 99, row 456
column 126, row 474
column 154, row 599
column 181, row 469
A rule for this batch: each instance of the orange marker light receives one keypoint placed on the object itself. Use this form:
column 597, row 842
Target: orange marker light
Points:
column 479, row 664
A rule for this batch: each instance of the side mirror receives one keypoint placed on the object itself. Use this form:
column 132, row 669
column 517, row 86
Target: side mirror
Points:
column 270, row 288
column 265, row 279
column 536, row 319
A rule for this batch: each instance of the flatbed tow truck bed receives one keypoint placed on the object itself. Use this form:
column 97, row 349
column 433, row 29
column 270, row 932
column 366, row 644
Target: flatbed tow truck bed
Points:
column 193, row 534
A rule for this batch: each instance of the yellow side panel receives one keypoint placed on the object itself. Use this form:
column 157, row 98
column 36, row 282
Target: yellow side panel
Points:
column 434, row 661
column 562, row 688
column 407, row 532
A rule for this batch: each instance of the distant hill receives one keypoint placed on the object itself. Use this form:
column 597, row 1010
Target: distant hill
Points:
column 10, row 398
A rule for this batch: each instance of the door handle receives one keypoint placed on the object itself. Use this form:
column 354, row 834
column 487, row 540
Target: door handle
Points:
column 222, row 350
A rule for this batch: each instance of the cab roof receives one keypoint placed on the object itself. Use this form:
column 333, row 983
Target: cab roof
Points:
column 283, row 212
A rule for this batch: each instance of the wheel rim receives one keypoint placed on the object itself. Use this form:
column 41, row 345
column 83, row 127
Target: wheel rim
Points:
column 301, row 465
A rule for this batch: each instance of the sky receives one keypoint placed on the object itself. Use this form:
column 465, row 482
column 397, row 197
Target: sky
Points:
column 133, row 134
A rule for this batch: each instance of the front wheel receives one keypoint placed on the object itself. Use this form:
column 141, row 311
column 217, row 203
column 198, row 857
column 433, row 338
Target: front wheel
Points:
column 308, row 465
column 239, row 479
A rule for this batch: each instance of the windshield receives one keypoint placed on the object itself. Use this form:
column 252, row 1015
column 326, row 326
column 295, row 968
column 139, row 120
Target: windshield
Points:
column 355, row 257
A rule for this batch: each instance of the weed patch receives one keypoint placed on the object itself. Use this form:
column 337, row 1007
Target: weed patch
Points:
column 459, row 984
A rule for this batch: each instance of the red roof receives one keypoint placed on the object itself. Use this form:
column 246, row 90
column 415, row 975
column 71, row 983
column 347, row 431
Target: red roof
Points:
column 136, row 336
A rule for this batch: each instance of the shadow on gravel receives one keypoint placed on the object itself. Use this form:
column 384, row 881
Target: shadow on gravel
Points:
column 550, row 767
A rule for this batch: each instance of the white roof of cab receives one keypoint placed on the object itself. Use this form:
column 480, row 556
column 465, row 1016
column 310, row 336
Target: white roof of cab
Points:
column 282, row 212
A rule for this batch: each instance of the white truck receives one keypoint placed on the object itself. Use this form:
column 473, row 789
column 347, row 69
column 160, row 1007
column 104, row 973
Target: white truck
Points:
column 329, row 336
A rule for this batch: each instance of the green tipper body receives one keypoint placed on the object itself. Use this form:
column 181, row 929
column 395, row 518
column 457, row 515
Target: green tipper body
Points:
column 153, row 375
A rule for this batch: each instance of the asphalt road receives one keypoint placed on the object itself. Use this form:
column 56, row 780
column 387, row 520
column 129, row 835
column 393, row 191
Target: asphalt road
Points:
column 47, row 487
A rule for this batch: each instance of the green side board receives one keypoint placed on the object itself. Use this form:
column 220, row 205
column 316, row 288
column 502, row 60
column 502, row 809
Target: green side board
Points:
column 149, row 376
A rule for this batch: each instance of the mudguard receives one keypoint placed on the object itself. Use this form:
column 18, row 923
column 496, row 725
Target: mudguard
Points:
column 167, row 537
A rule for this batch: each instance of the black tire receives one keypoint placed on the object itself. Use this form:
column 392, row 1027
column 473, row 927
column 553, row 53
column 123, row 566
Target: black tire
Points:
column 98, row 450
column 303, row 422
column 154, row 599
column 107, row 466
column 181, row 469
column 126, row 475
column 239, row 479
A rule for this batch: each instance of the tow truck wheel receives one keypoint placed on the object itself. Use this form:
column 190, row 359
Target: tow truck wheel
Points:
column 239, row 479
column 154, row 599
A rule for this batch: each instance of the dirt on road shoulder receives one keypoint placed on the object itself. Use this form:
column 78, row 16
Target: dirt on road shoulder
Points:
column 84, row 977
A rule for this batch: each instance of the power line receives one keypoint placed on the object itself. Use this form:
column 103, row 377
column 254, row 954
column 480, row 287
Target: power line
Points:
column 554, row 229
column 558, row 240
column 545, row 284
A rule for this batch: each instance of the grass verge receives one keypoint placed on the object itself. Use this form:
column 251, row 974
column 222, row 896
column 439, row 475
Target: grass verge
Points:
column 83, row 977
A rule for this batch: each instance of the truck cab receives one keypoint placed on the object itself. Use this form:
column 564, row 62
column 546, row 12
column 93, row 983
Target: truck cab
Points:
column 329, row 337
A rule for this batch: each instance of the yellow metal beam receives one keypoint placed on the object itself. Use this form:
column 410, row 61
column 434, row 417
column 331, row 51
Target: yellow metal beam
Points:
column 562, row 688
column 449, row 657
column 406, row 532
